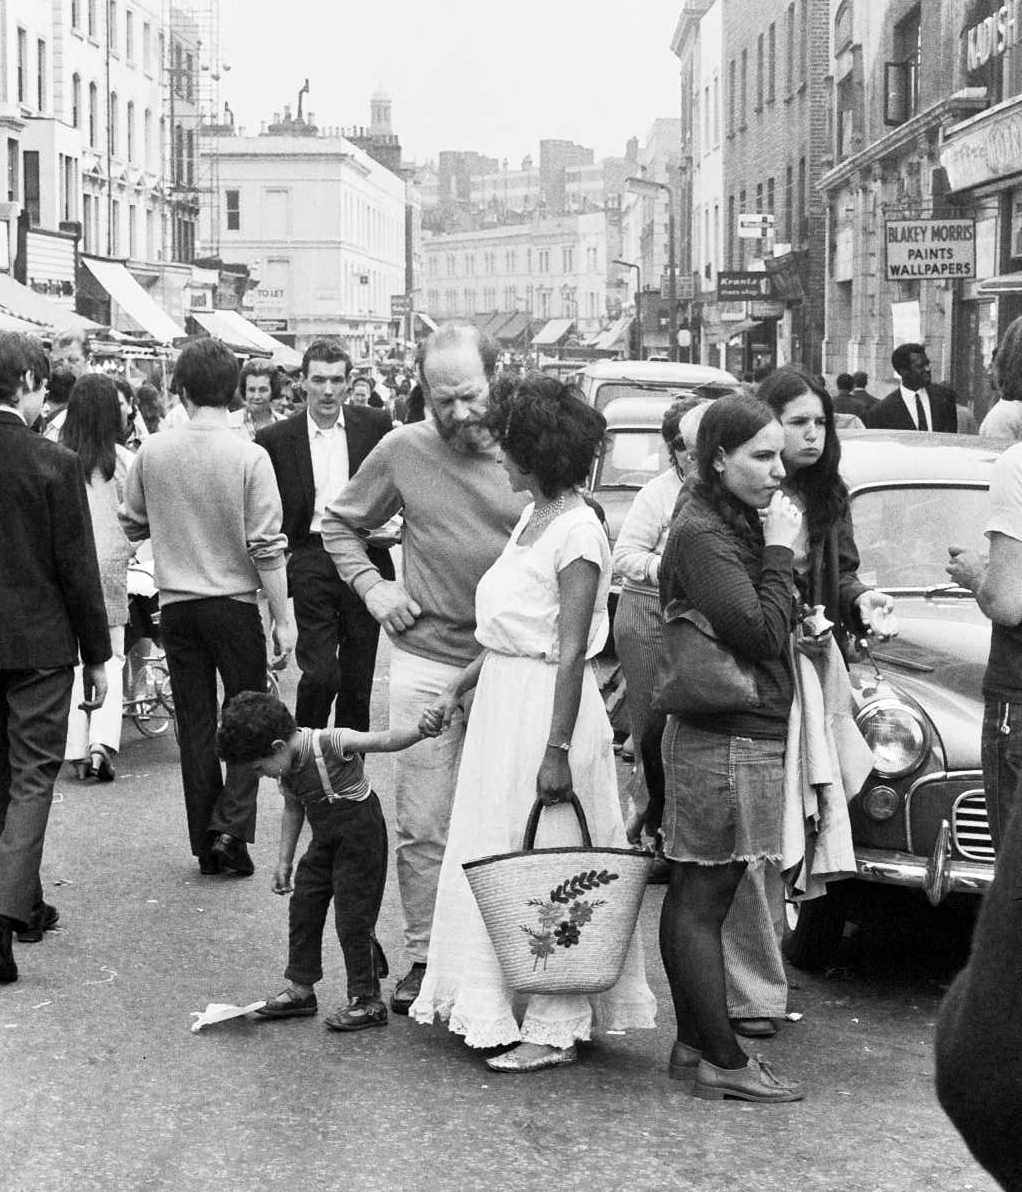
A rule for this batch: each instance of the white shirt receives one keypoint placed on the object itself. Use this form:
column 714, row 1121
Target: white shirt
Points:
column 54, row 426
column 330, row 468
column 908, row 396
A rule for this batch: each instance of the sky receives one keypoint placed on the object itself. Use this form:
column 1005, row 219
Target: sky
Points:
column 462, row 74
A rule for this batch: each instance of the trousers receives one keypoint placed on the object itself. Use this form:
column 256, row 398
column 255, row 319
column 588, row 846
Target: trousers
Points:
column 103, row 726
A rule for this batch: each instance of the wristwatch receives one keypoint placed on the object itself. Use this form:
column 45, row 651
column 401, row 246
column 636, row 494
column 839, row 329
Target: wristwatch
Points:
column 565, row 745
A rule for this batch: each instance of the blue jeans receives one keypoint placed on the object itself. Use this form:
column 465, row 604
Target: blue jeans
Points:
column 1002, row 763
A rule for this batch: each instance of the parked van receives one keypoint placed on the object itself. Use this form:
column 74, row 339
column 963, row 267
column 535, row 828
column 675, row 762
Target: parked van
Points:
column 604, row 381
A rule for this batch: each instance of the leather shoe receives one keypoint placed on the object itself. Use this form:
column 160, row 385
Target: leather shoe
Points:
column 512, row 1061
column 100, row 767
column 757, row 1081
column 288, row 1005
column 8, row 969
column 44, row 918
column 232, row 853
column 359, row 1013
column 683, row 1062
column 407, row 989
column 754, row 1028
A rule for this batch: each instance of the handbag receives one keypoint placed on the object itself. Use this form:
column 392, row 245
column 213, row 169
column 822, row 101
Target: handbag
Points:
column 560, row 919
column 695, row 672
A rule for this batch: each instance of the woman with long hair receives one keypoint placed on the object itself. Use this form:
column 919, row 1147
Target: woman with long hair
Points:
column 538, row 729
column 93, row 429
column 729, row 556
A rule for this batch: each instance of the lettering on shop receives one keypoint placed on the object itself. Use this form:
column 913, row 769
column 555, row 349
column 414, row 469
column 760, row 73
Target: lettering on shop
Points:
column 992, row 36
column 930, row 249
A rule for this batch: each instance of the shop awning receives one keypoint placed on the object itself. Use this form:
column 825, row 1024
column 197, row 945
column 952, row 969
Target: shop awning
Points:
column 553, row 333
column 616, row 334
column 425, row 320
column 1003, row 283
column 38, row 312
column 237, row 332
column 139, row 306
column 515, row 328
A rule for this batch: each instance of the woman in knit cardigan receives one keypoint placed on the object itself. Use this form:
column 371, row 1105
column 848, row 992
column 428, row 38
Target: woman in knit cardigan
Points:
column 92, row 429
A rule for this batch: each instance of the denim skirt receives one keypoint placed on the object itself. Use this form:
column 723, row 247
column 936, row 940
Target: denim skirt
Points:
column 723, row 796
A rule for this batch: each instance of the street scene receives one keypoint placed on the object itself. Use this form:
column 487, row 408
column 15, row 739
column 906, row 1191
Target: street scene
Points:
column 510, row 561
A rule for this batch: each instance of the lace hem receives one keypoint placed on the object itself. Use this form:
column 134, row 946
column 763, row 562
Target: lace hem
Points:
column 477, row 1032
column 557, row 1032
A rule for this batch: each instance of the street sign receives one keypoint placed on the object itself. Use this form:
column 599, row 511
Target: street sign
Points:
column 400, row 305
column 684, row 287
column 742, row 286
column 270, row 324
column 753, row 226
column 930, row 249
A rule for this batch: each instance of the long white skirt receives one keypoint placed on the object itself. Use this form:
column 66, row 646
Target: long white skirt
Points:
column 507, row 733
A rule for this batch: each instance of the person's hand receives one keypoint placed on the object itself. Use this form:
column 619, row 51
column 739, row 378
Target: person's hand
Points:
column 282, row 879
column 431, row 722
column 553, row 782
column 966, row 568
column 815, row 647
column 446, row 704
column 391, row 606
column 783, row 522
column 95, row 687
column 285, row 635
column 875, row 610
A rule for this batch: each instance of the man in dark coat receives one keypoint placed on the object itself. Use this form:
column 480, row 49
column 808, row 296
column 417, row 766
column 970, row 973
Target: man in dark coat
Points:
column 314, row 454
column 51, row 610
column 917, row 404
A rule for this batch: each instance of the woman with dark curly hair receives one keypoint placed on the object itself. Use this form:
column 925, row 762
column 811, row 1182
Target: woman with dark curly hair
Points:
column 538, row 727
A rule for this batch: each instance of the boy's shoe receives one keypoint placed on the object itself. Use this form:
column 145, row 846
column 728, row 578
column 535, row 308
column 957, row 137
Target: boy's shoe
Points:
column 359, row 1013
column 288, row 1005
column 232, row 854
column 44, row 918
column 407, row 989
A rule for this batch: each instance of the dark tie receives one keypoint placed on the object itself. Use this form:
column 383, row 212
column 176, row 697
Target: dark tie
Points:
column 921, row 422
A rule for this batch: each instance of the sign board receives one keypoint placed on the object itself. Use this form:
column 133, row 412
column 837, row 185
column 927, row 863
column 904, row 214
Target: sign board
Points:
column 270, row 324
column 930, row 249
column 752, row 226
column 742, row 286
column 400, row 305
column 684, row 286
column 906, row 323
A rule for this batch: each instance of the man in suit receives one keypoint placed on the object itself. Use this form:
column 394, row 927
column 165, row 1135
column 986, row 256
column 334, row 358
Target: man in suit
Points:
column 51, row 609
column 859, row 391
column 917, row 404
column 314, row 454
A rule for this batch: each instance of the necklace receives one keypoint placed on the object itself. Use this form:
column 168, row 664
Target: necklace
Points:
column 543, row 515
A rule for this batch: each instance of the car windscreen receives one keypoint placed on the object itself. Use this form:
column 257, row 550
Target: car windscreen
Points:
column 903, row 532
column 612, row 390
column 630, row 458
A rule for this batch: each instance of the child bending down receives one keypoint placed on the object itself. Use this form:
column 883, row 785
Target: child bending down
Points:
column 321, row 777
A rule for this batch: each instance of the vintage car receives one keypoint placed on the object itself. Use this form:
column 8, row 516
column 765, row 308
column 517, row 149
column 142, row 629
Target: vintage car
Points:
column 919, row 822
column 605, row 381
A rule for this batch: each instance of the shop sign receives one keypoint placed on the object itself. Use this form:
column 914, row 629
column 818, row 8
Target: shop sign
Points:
column 991, row 150
column 930, row 249
column 742, row 286
column 270, row 324
column 400, row 305
column 992, row 36
column 755, row 225
column 50, row 266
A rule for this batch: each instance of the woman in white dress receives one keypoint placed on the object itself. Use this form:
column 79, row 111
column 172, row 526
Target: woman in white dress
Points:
column 538, row 727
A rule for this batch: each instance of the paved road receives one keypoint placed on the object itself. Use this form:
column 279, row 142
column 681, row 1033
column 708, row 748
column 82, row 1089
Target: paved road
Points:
column 102, row 1085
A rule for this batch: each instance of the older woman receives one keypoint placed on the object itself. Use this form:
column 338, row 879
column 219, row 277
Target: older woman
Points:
column 538, row 727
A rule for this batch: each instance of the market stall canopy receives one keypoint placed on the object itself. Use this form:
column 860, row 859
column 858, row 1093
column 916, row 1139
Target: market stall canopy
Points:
column 133, row 300
column 38, row 312
column 237, row 332
column 553, row 333
column 1003, row 283
column 425, row 320
column 615, row 335
column 515, row 328
column 10, row 323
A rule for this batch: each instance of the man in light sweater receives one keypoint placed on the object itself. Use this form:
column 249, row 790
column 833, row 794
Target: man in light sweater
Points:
column 444, row 475
column 208, row 498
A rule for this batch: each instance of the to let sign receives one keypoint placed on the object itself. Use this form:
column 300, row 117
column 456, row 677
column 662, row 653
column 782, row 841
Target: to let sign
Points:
column 742, row 286
column 400, row 304
column 930, row 249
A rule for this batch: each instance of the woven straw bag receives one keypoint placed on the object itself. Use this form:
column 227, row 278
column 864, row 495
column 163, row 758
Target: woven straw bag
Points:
column 560, row 919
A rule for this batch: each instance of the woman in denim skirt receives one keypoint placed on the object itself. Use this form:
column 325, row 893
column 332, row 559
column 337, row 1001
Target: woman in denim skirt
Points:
column 730, row 556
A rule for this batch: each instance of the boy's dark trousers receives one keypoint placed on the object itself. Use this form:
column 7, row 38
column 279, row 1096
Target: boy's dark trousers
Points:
column 347, row 861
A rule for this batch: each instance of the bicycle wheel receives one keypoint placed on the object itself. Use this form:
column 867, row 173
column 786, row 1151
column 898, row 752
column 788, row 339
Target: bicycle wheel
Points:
column 153, row 711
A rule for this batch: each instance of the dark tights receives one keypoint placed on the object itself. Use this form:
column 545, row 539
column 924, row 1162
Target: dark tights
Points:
column 697, row 901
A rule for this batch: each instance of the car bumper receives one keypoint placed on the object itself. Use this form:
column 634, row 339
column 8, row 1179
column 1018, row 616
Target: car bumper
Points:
column 937, row 875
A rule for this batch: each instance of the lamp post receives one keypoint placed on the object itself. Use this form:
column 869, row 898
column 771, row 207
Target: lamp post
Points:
column 649, row 188
column 638, row 295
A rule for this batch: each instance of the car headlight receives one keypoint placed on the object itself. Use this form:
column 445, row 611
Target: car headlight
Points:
column 895, row 734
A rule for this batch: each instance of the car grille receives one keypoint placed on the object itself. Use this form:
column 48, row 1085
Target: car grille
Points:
column 970, row 828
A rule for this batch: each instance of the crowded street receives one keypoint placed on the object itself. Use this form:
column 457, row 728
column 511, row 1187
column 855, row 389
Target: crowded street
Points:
column 95, row 1045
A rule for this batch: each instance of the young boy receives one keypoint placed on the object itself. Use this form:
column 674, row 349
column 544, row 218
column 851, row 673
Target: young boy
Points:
column 321, row 777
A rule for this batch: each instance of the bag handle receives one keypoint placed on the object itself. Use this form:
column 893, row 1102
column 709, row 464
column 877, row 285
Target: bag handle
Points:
column 532, row 823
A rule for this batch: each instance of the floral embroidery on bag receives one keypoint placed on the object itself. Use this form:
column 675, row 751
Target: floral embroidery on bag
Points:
column 560, row 923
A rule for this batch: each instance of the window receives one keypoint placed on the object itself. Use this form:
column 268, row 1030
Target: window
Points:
column 30, row 168
column 88, row 235
column 76, row 101
column 76, row 14
column 732, row 76
column 132, row 231
column 178, row 164
column 129, row 45
column 771, row 62
column 190, row 156
column 803, row 41
column 147, row 138
column 470, row 265
column 789, row 50
column 716, row 111
column 161, row 46
column 770, row 196
column 111, row 24
column 759, row 72
column 567, row 260
column 707, row 117
column 150, row 236
column 189, row 81
column 93, row 114
column 470, row 302
column 68, row 188
column 115, row 228
column 40, row 76
column 543, row 260
column 789, row 199
column 731, row 218
column 114, row 130
column 901, row 77
column 22, row 65
column 129, row 126
column 13, row 195
column 147, row 47
column 91, row 17
column 745, row 87
column 759, row 197
column 800, row 199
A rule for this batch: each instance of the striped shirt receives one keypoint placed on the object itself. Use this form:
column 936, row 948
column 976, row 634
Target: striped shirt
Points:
column 321, row 770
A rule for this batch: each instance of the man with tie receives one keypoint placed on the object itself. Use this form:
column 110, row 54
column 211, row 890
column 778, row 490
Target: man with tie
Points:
column 917, row 404
column 314, row 454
